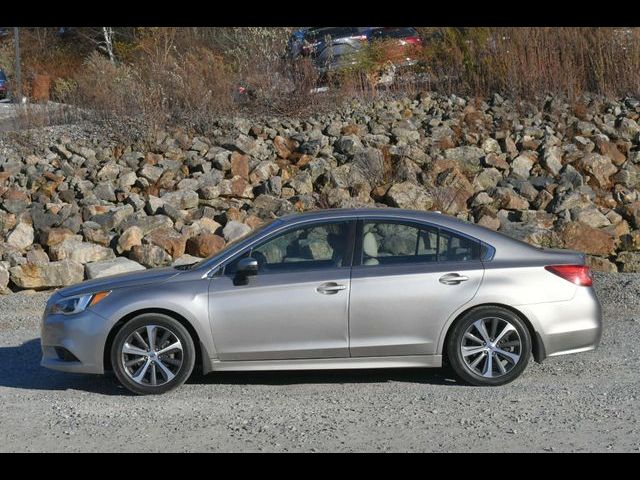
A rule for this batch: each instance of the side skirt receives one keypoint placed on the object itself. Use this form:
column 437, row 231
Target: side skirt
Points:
column 409, row 361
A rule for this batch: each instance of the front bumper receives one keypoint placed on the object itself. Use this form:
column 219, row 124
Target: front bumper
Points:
column 83, row 335
column 567, row 327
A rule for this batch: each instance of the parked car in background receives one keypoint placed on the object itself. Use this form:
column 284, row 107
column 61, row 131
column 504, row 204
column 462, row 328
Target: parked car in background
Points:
column 335, row 48
column 330, row 48
column 3, row 85
column 401, row 45
column 333, row 289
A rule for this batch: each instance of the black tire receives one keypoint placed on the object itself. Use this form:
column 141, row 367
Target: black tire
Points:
column 188, row 353
column 456, row 338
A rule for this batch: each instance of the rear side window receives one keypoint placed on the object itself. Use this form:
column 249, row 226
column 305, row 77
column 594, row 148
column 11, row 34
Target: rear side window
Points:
column 394, row 32
column 393, row 243
column 456, row 248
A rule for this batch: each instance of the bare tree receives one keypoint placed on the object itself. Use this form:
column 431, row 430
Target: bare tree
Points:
column 108, row 41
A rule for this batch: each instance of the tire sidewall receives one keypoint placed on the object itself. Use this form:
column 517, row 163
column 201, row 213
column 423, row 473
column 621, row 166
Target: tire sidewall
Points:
column 454, row 353
column 188, row 352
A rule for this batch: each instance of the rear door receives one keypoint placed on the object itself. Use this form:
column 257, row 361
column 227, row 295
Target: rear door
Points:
column 407, row 279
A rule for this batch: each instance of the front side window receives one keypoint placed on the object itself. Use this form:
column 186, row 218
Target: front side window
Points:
column 309, row 247
column 392, row 243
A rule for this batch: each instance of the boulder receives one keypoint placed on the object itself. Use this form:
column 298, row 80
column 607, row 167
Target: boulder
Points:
column 81, row 252
column 131, row 237
column 468, row 157
column 111, row 267
column 52, row 275
column 4, row 279
column 21, row 237
column 150, row 255
column 583, row 238
column 168, row 239
column 181, row 199
column 233, row 230
column 204, row 245
column 409, row 195
column 185, row 259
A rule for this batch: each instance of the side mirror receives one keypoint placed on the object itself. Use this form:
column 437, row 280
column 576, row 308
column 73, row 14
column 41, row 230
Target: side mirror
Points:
column 247, row 267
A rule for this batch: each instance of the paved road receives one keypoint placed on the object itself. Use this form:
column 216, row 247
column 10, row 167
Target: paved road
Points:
column 586, row 402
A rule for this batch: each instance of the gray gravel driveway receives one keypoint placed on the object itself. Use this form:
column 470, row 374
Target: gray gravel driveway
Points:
column 578, row 403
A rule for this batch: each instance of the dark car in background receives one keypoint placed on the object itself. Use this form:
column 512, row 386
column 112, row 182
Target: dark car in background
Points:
column 3, row 85
column 401, row 45
column 334, row 48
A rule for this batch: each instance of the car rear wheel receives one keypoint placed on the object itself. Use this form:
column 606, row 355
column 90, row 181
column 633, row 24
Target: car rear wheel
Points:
column 152, row 354
column 489, row 346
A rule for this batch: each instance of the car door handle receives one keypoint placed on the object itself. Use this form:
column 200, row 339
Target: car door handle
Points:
column 330, row 288
column 452, row 279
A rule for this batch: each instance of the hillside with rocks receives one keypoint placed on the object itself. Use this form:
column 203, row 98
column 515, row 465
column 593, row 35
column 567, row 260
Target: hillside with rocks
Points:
column 77, row 203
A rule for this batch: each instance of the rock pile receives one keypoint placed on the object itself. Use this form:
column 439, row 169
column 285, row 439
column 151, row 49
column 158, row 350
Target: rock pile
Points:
column 555, row 176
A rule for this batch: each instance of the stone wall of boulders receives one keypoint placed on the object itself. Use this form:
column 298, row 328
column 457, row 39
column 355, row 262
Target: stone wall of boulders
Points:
column 78, row 204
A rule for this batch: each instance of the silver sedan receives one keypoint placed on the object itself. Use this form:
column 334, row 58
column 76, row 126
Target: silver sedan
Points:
column 333, row 289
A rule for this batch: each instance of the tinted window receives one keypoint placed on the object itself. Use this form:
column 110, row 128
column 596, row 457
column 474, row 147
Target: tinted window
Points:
column 334, row 32
column 316, row 246
column 386, row 243
column 391, row 243
column 394, row 32
column 455, row 248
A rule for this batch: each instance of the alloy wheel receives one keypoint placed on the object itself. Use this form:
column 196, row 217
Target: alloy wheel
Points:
column 152, row 355
column 491, row 347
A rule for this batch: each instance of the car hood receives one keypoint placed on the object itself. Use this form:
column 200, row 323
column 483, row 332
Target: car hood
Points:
column 131, row 279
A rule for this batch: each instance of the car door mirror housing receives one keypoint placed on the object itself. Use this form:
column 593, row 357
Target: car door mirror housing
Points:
column 246, row 268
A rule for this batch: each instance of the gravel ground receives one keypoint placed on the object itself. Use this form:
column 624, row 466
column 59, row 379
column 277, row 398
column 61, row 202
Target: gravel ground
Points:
column 576, row 403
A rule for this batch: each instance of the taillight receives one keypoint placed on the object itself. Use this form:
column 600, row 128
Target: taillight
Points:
column 413, row 40
column 577, row 274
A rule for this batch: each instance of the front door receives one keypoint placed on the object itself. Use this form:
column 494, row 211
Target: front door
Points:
column 296, row 307
column 407, row 280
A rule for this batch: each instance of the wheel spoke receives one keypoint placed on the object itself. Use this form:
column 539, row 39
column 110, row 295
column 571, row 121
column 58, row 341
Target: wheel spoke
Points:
column 482, row 329
column 139, row 375
column 512, row 357
column 488, row 367
column 508, row 328
column 151, row 335
column 131, row 350
column 472, row 337
column 174, row 346
column 154, row 380
column 477, row 360
column 466, row 351
column 500, row 365
column 168, row 374
column 138, row 337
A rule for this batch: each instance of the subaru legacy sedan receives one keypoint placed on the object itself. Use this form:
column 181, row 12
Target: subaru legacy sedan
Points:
column 333, row 289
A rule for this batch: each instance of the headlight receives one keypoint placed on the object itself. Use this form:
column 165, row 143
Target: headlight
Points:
column 71, row 305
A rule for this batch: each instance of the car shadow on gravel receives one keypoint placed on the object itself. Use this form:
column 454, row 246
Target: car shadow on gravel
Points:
column 432, row 376
column 20, row 368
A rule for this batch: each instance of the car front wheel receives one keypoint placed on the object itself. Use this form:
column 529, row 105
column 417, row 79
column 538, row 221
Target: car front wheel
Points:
column 489, row 346
column 152, row 354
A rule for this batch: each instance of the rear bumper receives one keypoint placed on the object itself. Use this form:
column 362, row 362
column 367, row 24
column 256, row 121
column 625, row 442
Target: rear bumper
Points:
column 567, row 327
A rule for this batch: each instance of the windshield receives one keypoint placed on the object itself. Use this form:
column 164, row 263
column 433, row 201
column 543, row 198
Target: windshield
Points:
column 229, row 245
